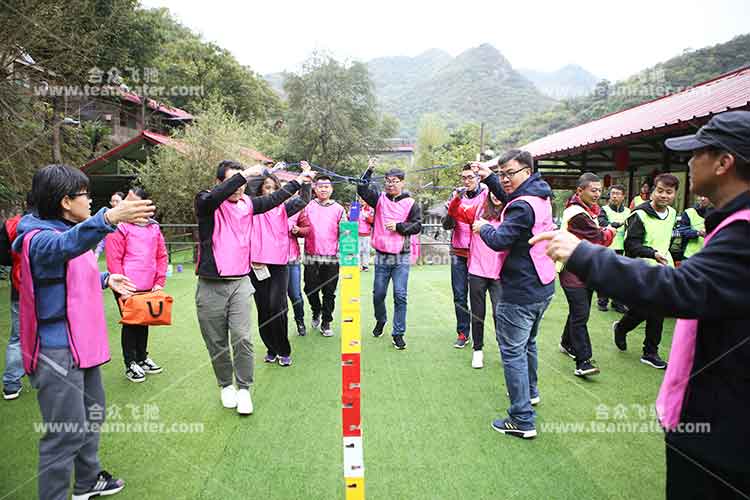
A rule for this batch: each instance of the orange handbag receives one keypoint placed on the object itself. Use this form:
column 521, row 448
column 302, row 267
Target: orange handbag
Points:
column 148, row 309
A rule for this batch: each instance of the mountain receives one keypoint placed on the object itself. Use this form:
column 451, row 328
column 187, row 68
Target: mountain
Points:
column 479, row 85
column 671, row 76
column 568, row 81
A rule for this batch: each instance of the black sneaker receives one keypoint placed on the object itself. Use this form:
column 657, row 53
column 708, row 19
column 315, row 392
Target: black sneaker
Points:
column 149, row 367
column 301, row 330
column 620, row 308
column 378, row 330
column 9, row 394
column 398, row 342
column 567, row 350
column 585, row 368
column 620, row 338
column 653, row 360
column 105, row 485
column 316, row 321
column 325, row 329
column 506, row 426
column 602, row 307
column 135, row 373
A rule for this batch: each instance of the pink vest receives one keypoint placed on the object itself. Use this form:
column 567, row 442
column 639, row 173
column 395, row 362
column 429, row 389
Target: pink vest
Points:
column 390, row 211
column 294, row 253
column 484, row 261
column 233, row 224
column 142, row 261
column 462, row 234
column 544, row 266
column 323, row 238
column 87, row 325
column 674, row 386
column 416, row 249
column 270, row 237
column 364, row 227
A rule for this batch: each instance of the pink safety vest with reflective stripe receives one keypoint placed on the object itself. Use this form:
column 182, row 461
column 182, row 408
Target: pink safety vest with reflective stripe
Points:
column 233, row 224
column 270, row 237
column 87, row 325
column 323, row 238
column 673, row 388
column 390, row 211
column 545, row 268
column 484, row 261
column 462, row 234
column 294, row 253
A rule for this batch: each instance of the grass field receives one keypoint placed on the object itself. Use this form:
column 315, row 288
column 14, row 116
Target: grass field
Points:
column 426, row 416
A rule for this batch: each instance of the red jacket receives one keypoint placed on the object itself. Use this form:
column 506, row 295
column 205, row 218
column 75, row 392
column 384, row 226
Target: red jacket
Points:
column 585, row 227
column 11, row 226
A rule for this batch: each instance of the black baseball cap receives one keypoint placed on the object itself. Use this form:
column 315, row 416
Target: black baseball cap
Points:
column 729, row 131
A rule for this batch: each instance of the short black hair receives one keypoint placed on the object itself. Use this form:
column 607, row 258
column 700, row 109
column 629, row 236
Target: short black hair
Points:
column 53, row 183
column 521, row 156
column 467, row 166
column 668, row 180
column 224, row 165
column 396, row 172
column 323, row 177
column 259, row 191
column 139, row 192
column 587, row 178
column 618, row 187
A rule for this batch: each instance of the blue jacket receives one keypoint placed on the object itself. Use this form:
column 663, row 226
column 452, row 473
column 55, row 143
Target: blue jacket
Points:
column 49, row 253
column 518, row 278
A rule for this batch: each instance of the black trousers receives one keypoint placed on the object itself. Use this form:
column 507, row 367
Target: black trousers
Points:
column 576, row 332
column 478, row 288
column 134, row 340
column 654, row 325
column 321, row 277
column 273, row 309
column 603, row 300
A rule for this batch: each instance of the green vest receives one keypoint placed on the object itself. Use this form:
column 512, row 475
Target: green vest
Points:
column 698, row 223
column 658, row 233
column 619, row 242
column 638, row 201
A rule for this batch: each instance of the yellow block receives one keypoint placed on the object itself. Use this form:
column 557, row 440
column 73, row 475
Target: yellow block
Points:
column 349, row 278
column 355, row 488
column 351, row 336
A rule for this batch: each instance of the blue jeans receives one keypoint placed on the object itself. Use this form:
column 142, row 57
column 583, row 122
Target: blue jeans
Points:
column 516, row 328
column 387, row 267
column 294, row 291
column 460, row 284
column 14, row 371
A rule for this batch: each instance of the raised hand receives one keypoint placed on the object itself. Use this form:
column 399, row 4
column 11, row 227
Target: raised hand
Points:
column 135, row 211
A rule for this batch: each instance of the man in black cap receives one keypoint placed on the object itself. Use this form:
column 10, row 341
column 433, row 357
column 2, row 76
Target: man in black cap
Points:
column 397, row 218
column 704, row 401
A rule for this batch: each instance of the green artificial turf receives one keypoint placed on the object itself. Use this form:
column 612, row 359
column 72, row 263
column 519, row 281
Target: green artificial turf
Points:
column 426, row 415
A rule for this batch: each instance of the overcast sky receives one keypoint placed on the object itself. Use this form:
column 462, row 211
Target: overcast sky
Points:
column 611, row 39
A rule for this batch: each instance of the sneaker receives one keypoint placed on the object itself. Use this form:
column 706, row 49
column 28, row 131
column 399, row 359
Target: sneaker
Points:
column 365, row 268
column 9, row 394
column 270, row 358
column 461, row 341
column 301, row 330
column 620, row 338
column 325, row 329
column 535, row 400
column 567, row 350
column 229, row 397
column 105, row 485
column 477, row 359
column 244, row 402
column 149, row 367
column 653, row 360
column 316, row 322
column 378, row 330
column 585, row 368
column 506, row 426
column 398, row 342
column 620, row 308
column 285, row 361
column 135, row 373
column 602, row 307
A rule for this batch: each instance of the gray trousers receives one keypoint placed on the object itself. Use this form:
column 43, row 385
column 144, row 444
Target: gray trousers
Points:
column 72, row 399
column 223, row 308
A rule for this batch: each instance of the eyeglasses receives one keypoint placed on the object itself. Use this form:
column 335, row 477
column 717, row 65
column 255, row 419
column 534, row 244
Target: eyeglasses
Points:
column 467, row 178
column 392, row 181
column 508, row 174
column 76, row 195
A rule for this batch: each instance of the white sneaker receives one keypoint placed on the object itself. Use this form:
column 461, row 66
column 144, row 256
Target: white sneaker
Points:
column 477, row 359
column 244, row 402
column 229, row 397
